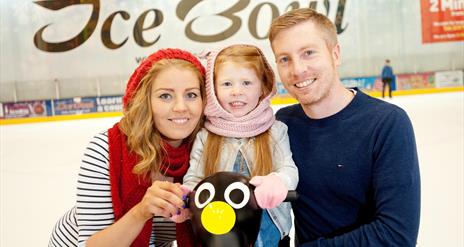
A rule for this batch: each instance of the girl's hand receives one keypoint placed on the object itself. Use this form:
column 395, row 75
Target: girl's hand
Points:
column 185, row 213
column 270, row 190
column 162, row 198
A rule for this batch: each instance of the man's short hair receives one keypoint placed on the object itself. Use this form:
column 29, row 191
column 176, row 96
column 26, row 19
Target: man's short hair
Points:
column 296, row 16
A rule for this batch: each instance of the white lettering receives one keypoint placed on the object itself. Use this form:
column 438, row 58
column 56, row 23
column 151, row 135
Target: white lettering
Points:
column 452, row 5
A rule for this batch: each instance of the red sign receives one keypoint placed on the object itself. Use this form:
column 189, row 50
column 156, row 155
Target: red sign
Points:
column 37, row 108
column 442, row 20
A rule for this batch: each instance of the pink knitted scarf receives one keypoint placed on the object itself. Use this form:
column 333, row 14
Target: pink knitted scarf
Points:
column 223, row 123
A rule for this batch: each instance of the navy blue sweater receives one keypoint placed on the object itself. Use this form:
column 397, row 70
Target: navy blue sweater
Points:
column 359, row 175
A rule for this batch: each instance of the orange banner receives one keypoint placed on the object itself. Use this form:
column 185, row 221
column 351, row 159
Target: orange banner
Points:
column 442, row 20
column 415, row 81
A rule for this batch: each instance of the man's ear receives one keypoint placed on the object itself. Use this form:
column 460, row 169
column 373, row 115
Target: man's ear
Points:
column 336, row 55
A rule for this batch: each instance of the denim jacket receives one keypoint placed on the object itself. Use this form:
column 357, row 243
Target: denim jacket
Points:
column 284, row 167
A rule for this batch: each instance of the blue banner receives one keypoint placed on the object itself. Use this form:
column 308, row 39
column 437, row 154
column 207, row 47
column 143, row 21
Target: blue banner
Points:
column 109, row 104
column 74, row 106
column 366, row 83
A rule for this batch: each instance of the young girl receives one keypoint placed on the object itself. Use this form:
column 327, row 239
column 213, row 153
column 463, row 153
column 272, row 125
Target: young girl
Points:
column 243, row 136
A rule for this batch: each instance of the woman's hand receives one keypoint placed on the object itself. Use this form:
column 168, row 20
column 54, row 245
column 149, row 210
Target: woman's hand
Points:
column 161, row 199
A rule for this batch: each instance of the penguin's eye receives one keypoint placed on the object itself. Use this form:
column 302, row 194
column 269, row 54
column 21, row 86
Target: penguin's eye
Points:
column 204, row 194
column 237, row 195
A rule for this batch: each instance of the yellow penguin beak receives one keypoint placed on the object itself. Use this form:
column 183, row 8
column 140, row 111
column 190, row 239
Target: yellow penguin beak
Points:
column 218, row 217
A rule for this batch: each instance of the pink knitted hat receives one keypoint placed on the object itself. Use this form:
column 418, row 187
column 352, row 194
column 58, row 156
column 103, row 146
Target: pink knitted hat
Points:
column 145, row 66
column 221, row 122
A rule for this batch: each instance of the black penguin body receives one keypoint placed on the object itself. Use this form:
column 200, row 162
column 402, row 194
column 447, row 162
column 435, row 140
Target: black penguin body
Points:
column 225, row 211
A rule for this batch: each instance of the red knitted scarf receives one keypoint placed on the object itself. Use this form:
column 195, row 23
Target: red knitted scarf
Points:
column 128, row 189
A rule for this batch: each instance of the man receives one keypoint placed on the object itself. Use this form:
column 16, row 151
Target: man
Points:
column 356, row 155
column 387, row 78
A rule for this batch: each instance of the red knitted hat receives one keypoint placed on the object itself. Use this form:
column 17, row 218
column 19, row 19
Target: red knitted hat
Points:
column 147, row 63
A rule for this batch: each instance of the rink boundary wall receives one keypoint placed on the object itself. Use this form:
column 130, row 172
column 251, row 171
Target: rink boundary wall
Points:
column 275, row 101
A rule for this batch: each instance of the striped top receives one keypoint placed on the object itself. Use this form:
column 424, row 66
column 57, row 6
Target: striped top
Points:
column 94, row 210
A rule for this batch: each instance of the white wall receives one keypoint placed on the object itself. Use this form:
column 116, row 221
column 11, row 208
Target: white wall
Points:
column 374, row 30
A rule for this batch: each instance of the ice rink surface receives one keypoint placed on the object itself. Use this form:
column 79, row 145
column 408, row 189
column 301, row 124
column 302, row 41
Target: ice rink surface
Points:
column 39, row 165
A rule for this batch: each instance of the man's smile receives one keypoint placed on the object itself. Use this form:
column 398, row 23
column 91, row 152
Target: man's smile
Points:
column 305, row 83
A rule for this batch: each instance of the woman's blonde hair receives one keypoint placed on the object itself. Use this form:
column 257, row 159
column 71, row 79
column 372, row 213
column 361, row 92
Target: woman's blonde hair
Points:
column 297, row 16
column 249, row 57
column 143, row 138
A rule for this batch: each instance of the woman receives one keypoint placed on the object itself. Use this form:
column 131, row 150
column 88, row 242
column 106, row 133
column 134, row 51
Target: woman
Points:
column 128, row 188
